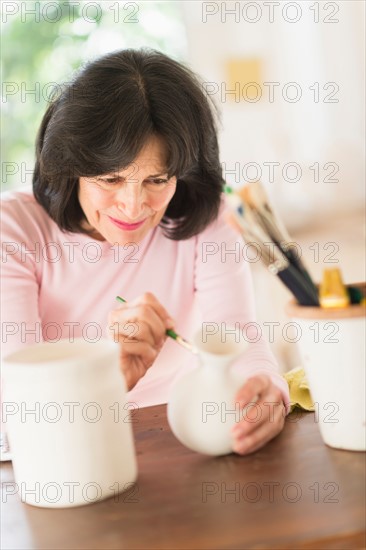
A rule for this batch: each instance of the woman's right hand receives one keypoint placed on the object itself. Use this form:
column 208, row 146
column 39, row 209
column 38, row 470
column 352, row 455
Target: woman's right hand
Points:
column 140, row 328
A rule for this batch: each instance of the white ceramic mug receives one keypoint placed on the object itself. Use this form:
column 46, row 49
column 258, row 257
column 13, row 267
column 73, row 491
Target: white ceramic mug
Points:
column 332, row 347
column 68, row 424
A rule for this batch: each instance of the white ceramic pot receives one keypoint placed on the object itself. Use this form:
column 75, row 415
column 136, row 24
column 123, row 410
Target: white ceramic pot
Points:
column 68, row 426
column 332, row 346
column 201, row 407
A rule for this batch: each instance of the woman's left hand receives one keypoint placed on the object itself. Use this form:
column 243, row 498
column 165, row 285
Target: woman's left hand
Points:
column 262, row 414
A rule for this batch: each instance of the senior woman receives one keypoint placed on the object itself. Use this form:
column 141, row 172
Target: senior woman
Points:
column 127, row 199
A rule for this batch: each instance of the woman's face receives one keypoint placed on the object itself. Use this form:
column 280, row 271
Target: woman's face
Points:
column 124, row 206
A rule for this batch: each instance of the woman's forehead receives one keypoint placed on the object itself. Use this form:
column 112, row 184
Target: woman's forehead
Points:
column 152, row 156
column 154, row 150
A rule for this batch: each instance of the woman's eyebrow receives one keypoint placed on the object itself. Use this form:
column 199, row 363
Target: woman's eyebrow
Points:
column 118, row 175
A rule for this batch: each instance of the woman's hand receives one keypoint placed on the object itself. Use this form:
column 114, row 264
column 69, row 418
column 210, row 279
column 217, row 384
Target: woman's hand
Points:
column 263, row 418
column 139, row 326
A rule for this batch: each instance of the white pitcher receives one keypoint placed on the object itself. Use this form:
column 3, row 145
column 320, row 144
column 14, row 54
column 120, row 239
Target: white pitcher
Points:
column 201, row 408
column 68, row 424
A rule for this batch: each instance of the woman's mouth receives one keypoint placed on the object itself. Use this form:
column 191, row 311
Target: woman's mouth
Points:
column 127, row 226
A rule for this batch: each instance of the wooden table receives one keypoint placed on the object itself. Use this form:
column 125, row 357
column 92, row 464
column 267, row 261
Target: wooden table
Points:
column 295, row 493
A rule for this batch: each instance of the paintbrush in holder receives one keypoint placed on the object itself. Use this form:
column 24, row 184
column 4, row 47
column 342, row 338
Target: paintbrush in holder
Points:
column 258, row 224
column 255, row 198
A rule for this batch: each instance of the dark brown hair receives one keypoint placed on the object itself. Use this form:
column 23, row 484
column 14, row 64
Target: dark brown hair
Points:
column 99, row 123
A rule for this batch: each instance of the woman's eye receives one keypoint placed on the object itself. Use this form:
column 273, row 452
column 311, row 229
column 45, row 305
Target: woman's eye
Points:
column 110, row 181
column 117, row 179
column 157, row 181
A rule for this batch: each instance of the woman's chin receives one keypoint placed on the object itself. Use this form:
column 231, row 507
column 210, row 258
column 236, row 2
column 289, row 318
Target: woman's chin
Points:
column 122, row 238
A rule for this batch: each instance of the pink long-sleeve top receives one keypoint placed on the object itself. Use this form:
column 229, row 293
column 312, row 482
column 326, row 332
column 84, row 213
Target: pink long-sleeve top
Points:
column 63, row 285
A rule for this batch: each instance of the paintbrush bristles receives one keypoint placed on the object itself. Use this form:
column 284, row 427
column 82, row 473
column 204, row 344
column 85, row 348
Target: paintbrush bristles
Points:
column 255, row 195
column 186, row 344
column 256, row 201
column 272, row 257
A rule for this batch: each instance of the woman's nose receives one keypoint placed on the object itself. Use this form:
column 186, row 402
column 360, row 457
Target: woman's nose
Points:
column 130, row 200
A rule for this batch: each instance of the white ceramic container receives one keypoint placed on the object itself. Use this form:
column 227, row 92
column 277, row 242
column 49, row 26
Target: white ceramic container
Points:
column 201, row 407
column 332, row 346
column 69, row 430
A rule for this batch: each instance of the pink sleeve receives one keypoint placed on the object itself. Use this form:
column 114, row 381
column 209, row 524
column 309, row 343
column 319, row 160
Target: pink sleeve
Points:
column 20, row 323
column 224, row 291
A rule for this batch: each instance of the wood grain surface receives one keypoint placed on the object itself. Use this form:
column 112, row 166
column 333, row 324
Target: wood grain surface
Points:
column 294, row 493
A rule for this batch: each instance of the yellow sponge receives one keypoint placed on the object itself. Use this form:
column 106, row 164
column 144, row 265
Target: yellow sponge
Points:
column 299, row 389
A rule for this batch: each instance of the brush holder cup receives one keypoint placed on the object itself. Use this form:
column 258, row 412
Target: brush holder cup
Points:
column 332, row 347
column 68, row 427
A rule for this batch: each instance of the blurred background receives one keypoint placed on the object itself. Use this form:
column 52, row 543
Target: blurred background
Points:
column 287, row 77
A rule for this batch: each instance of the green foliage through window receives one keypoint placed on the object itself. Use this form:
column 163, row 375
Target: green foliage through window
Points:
column 43, row 43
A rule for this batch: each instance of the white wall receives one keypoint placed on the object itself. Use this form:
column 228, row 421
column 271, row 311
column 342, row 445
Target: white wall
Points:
column 316, row 213
column 304, row 132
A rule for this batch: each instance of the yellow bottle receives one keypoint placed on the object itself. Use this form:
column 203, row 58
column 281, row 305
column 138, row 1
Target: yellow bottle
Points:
column 332, row 292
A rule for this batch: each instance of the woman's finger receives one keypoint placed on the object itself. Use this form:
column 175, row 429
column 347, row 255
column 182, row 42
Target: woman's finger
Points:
column 269, row 413
column 139, row 322
column 143, row 350
column 259, row 437
column 253, row 388
column 256, row 413
column 150, row 300
column 135, row 330
column 135, row 359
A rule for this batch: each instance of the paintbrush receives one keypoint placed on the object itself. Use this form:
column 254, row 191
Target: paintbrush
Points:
column 247, row 222
column 250, row 224
column 255, row 198
column 169, row 332
column 276, row 262
column 255, row 195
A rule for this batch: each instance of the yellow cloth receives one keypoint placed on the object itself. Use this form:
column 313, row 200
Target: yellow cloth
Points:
column 299, row 389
